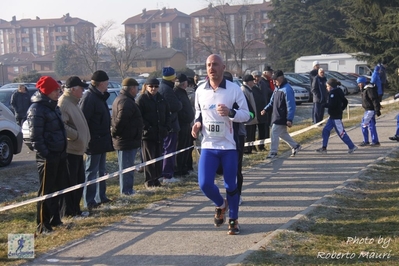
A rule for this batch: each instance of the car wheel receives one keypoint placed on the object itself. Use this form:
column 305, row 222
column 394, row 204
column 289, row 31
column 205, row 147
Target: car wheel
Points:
column 6, row 150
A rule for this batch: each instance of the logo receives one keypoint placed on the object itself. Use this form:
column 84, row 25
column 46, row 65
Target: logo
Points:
column 21, row 246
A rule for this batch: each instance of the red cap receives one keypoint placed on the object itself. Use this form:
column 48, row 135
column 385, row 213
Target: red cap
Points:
column 47, row 85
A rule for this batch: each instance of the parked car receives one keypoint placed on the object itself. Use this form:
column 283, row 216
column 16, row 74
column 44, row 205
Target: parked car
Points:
column 10, row 136
column 301, row 94
column 15, row 86
column 293, row 79
column 342, row 87
column 350, row 85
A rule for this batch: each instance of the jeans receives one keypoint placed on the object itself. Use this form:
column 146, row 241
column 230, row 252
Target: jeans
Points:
column 95, row 167
column 126, row 160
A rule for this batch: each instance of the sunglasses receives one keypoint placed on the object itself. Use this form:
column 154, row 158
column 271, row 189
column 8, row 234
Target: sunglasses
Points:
column 153, row 86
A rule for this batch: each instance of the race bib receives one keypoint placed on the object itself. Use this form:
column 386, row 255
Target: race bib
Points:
column 215, row 128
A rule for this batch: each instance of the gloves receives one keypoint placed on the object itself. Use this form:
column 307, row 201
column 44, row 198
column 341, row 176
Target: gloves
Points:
column 378, row 113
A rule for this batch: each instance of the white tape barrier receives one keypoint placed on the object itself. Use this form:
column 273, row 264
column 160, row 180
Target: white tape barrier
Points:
column 136, row 167
column 99, row 179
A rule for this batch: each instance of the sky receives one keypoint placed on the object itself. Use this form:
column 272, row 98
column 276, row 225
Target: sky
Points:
column 95, row 11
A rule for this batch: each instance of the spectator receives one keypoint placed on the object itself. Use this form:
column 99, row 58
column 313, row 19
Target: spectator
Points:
column 375, row 79
column 371, row 105
column 219, row 103
column 185, row 118
column 320, row 96
column 383, row 79
column 48, row 138
column 250, row 127
column 336, row 104
column 78, row 136
column 313, row 73
column 396, row 136
column 156, row 119
column 20, row 102
column 127, row 129
column 170, row 141
column 95, row 109
column 283, row 105
column 262, row 93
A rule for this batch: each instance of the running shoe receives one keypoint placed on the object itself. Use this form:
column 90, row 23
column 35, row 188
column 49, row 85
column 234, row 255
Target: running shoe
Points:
column 220, row 216
column 234, row 228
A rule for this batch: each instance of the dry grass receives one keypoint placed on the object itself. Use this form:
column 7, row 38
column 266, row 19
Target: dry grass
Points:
column 357, row 225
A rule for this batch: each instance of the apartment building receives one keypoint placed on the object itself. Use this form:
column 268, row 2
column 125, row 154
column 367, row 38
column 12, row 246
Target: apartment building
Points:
column 43, row 36
column 158, row 28
column 237, row 32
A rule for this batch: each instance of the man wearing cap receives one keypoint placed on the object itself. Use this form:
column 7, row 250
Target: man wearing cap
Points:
column 94, row 107
column 170, row 142
column 127, row 128
column 185, row 117
column 283, row 105
column 250, row 127
column 313, row 73
column 78, row 136
column 372, row 107
column 156, row 119
column 218, row 104
column 48, row 138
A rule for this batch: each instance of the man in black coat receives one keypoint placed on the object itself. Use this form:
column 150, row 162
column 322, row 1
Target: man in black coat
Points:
column 95, row 109
column 48, row 138
column 185, row 118
column 170, row 142
column 127, row 128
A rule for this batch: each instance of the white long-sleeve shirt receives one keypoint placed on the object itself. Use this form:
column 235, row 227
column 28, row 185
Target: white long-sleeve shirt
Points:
column 218, row 131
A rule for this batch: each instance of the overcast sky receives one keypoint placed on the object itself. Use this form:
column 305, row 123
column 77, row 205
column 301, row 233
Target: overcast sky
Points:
column 97, row 12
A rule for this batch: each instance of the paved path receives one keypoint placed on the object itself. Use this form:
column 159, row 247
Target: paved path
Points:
column 181, row 232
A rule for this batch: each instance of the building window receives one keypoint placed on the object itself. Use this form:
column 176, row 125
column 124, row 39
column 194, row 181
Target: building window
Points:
column 134, row 64
column 148, row 63
column 153, row 25
column 25, row 30
column 25, row 40
column 16, row 69
column 264, row 15
column 153, row 34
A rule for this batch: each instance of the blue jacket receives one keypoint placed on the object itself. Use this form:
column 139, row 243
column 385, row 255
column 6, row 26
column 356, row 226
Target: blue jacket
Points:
column 283, row 104
column 375, row 79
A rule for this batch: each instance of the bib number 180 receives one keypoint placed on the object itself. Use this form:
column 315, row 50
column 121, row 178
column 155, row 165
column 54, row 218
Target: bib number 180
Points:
column 213, row 128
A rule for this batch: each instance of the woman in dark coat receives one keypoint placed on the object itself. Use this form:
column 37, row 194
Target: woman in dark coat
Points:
column 156, row 119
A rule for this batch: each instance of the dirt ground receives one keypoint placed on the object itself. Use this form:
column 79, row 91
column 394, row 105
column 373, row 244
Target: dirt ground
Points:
column 17, row 181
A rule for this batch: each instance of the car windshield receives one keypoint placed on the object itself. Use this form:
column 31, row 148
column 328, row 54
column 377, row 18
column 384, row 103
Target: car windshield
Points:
column 293, row 80
column 338, row 75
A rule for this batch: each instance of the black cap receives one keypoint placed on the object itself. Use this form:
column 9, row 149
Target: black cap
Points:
column 99, row 76
column 277, row 73
column 75, row 81
column 152, row 81
column 268, row 68
column 248, row 77
column 181, row 77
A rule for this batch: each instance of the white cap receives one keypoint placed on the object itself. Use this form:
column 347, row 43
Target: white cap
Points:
column 316, row 63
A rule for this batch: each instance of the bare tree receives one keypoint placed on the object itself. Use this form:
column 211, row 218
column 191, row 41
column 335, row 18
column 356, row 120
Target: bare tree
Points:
column 124, row 52
column 232, row 31
column 88, row 42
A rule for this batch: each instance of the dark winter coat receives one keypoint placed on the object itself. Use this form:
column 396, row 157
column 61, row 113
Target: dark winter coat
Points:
column 156, row 116
column 186, row 114
column 127, row 122
column 262, row 94
column 95, row 109
column 166, row 90
column 336, row 103
column 46, row 128
column 319, row 90
column 370, row 100
column 20, row 102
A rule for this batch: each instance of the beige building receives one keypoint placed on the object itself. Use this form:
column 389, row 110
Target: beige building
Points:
column 43, row 36
column 158, row 28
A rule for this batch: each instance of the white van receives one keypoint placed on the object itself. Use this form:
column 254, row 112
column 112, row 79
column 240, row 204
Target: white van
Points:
column 10, row 136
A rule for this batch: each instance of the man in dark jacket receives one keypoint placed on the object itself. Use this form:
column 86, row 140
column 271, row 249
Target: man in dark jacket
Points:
column 20, row 102
column 320, row 96
column 262, row 94
column 185, row 118
column 170, row 141
column 95, row 109
column 371, row 105
column 127, row 128
column 48, row 138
